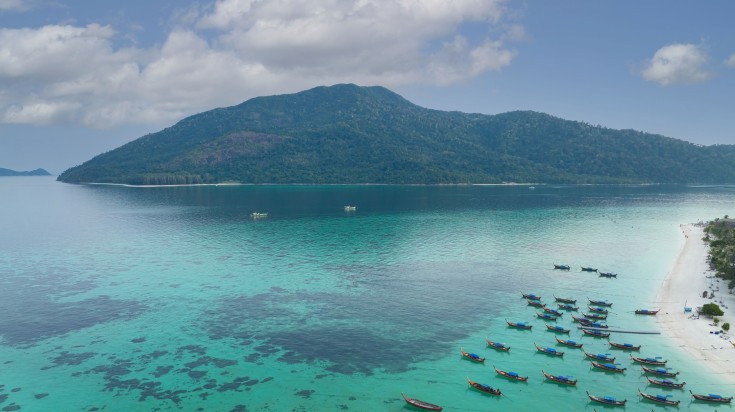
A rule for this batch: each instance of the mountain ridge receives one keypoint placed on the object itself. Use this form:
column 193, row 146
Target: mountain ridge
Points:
column 351, row 134
column 36, row 172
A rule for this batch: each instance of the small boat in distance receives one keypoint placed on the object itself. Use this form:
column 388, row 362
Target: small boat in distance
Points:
column 567, row 306
column 607, row 400
column 556, row 328
column 666, row 383
column 626, row 346
column 530, row 296
column 610, row 367
column 421, row 404
column 350, row 208
column 663, row 399
column 599, row 302
column 471, row 356
column 561, row 267
column 608, row 274
column 596, row 333
column 646, row 312
column 588, row 323
column 597, row 309
column 711, row 398
column 566, row 380
column 483, row 388
column 588, row 269
column 258, row 215
column 497, row 345
column 565, row 300
column 547, row 316
column 605, row 357
column 553, row 312
column 597, row 316
column 535, row 303
column 660, row 371
column 657, row 361
column 548, row 351
column 518, row 325
column 570, row 343
column 510, row 375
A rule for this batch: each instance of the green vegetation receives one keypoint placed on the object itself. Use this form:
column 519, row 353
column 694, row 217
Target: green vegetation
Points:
column 726, row 326
column 351, row 134
column 711, row 309
column 37, row 172
column 720, row 234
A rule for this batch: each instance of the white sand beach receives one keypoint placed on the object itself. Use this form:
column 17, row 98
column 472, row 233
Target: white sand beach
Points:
column 683, row 286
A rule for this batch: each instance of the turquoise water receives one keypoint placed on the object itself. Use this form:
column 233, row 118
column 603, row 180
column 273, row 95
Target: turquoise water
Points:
column 119, row 298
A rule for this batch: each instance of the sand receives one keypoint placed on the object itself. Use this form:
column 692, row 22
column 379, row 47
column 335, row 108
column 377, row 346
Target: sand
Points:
column 684, row 284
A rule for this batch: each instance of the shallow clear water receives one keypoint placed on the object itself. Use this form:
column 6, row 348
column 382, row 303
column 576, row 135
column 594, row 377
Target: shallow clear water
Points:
column 174, row 299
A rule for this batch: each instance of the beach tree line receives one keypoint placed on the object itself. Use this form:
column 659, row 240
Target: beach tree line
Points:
column 720, row 236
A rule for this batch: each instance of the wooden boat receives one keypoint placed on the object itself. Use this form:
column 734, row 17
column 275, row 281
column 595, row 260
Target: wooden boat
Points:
column 511, row 375
column 565, row 380
column 519, row 325
column 596, row 333
column 660, row 371
column 608, row 274
column 553, row 312
column 531, row 296
column 588, row 269
column 421, row 404
column 711, row 398
column 471, row 356
column 258, row 215
column 561, row 267
column 600, row 356
column 599, row 302
column 547, row 316
column 646, row 312
column 580, row 319
column 607, row 400
column 567, row 306
column 626, row 346
column 588, row 323
column 666, row 383
column 565, row 300
column 536, row 303
column 663, row 399
column 570, row 343
column 555, row 328
column 595, row 316
column 610, row 367
column 548, row 351
column 597, row 309
column 657, row 361
column 497, row 345
column 483, row 388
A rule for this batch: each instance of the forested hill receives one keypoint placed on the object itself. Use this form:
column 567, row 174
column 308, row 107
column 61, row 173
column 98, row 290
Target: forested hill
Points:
column 37, row 172
column 351, row 134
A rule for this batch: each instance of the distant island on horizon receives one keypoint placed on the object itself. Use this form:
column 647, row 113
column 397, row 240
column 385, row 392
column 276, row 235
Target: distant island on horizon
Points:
column 37, row 172
column 347, row 134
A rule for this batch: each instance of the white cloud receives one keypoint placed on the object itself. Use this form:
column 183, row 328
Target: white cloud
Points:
column 731, row 61
column 15, row 5
column 237, row 49
column 677, row 64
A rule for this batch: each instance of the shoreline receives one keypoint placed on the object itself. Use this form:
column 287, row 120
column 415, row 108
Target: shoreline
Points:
column 683, row 286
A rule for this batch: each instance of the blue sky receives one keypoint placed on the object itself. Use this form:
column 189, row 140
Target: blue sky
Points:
column 80, row 77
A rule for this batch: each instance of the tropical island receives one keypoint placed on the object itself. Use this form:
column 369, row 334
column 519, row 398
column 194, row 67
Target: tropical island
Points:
column 37, row 172
column 346, row 134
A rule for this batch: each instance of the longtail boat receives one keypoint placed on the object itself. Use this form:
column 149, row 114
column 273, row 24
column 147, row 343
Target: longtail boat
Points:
column 483, row 388
column 547, row 316
column 531, row 296
column 666, row 383
column 553, row 312
column 588, row 269
column 555, row 328
column 608, row 274
column 536, row 303
column 597, row 309
column 610, row 367
column 596, row 333
column 711, row 398
column 588, row 323
column 471, row 356
column 599, row 302
column 561, row 267
column 646, row 312
column 567, row 306
column 600, row 356
column 660, row 371
column 663, row 399
column 565, row 300
column 657, row 361
column 421, row 404
column 511, row 375
column 548, row 351
column 518, row 325
column 570, row 343
column 626, row 346
column 580, row 319
column 497, row 345
column 566, row 380
column 607, row 400
column 596, row 316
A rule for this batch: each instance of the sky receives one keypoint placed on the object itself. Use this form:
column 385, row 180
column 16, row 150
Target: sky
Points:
column 81, row 77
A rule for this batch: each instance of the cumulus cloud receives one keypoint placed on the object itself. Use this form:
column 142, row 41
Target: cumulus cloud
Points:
column 677, row 64
column 15, row 5
column 236, row 49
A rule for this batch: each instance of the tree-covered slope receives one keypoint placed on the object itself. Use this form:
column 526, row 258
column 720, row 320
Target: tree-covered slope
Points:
column 36, row 172
column 351, row 134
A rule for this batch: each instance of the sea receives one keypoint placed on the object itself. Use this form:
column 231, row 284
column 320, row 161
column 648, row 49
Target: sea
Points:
column 118, row 298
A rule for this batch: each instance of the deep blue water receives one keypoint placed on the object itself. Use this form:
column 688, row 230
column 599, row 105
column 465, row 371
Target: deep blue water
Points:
column 122, row 298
